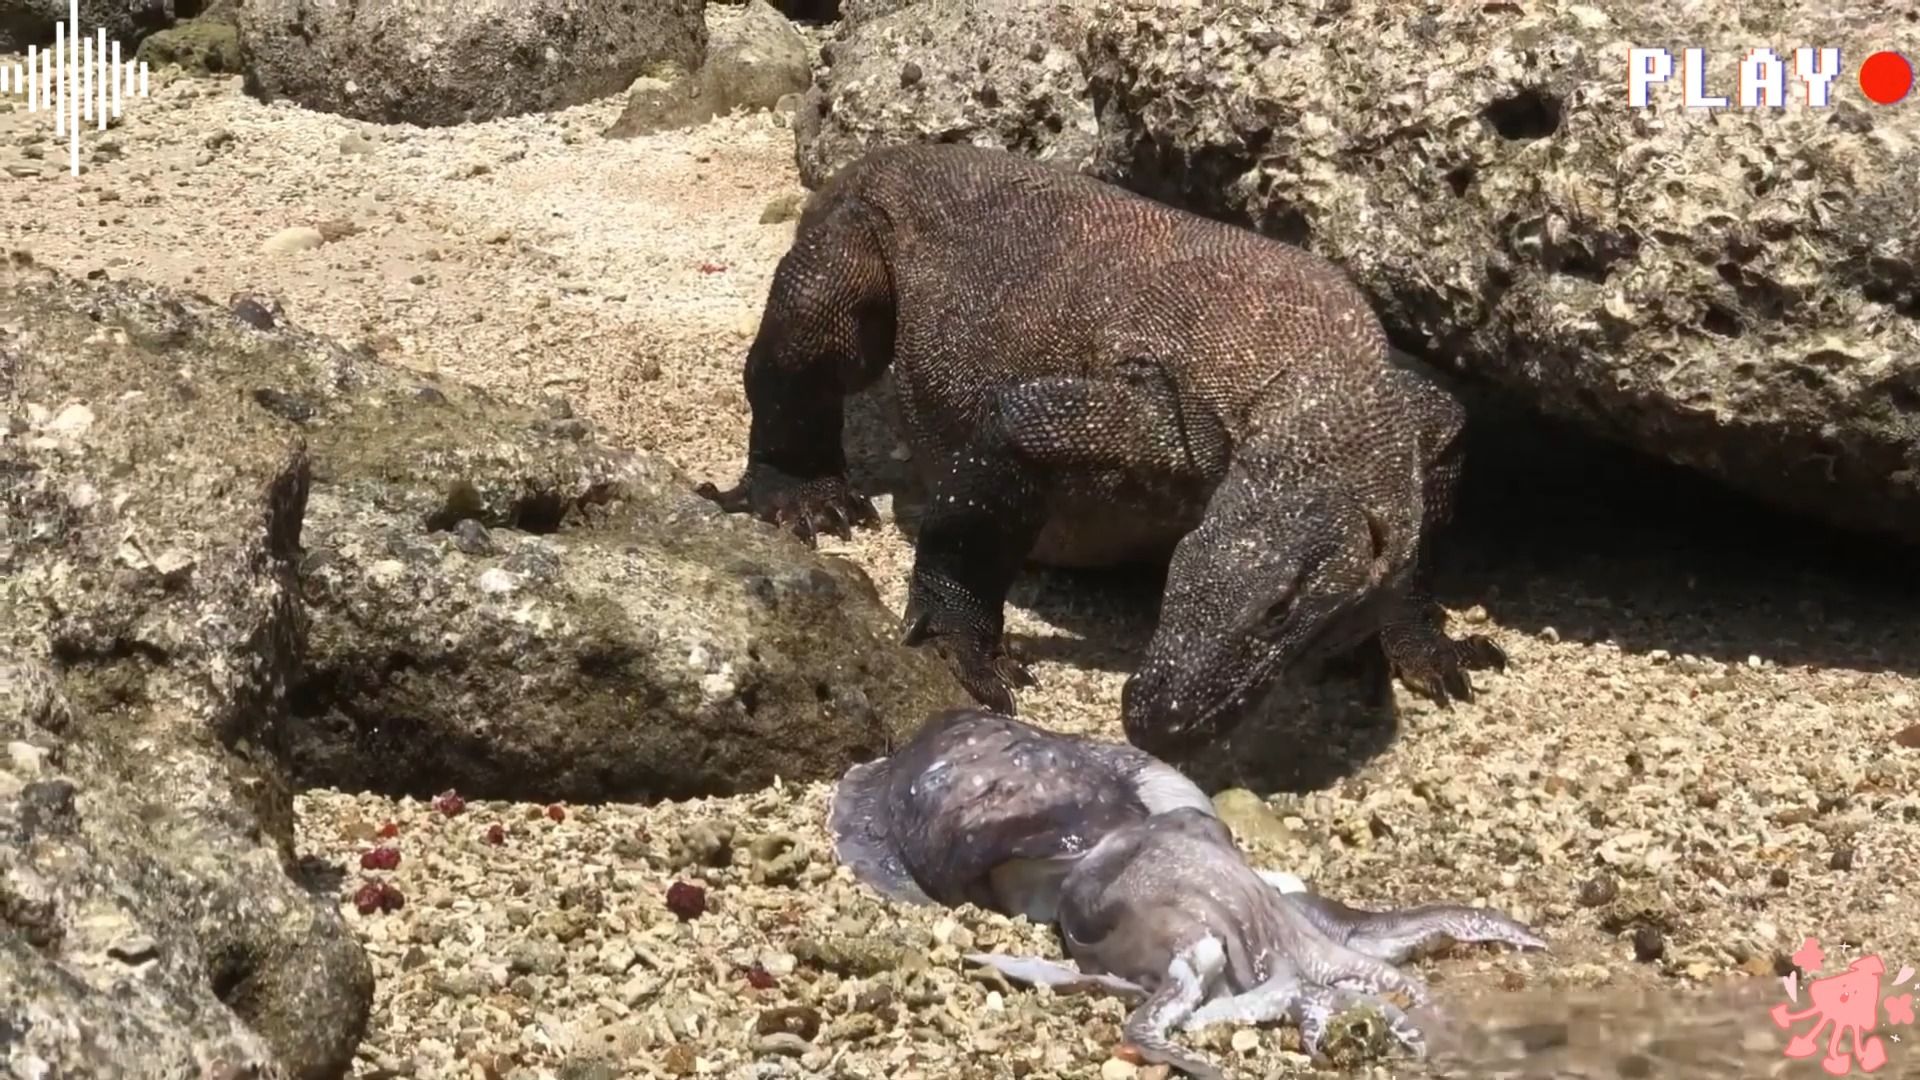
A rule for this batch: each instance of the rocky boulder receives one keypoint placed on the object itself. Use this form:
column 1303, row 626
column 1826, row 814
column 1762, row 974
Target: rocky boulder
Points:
column 755, row 57
column 498, row 602
column 151, row 911
column 32, row 22
column 207, row 45
column 1724, row 291
column 1736, row 291
column 408, row 61
column 989, row 72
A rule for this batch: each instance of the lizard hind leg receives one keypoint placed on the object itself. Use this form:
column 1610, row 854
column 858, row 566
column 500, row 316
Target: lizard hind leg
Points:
column 1310, row 1008
column 1395, row 936
column 1189, row 979
column 1061, row 978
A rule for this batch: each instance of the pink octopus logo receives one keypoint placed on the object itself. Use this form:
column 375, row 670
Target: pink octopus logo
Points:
column 1850, row 1001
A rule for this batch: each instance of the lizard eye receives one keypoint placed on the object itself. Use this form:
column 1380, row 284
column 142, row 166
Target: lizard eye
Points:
column 1268, row 615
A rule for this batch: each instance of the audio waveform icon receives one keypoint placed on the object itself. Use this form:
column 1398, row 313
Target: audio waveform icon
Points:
column 75, row 81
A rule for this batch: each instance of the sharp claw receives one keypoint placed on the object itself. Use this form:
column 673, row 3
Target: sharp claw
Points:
column 731, row 500
column 996, row 698
column 1459, row 683
column 914, row 630
column 1311, row 1032
column 837, row 523
column 1013, row 672
column 1495, row 655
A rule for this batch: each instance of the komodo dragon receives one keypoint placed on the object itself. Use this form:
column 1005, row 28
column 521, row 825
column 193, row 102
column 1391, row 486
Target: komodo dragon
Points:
column 1089, row 377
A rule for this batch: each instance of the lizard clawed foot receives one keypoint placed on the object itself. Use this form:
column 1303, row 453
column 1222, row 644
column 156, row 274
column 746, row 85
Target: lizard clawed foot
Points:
column 1311, row 1008
column 1162, row 1052
column 806, row 508
column 979, row 658
column 1433, row 665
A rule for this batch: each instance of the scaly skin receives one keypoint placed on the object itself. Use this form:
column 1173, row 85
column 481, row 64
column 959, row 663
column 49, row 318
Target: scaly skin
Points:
column 1089, row 378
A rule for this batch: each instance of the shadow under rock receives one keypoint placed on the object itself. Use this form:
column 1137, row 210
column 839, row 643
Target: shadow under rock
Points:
column 1560, row 529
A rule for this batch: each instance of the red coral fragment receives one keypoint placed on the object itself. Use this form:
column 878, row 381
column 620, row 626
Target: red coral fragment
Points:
column 686, row 900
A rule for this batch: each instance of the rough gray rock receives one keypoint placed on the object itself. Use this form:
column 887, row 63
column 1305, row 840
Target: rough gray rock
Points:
column 32, row 22
column 855, row 12
column 988, row 72
column 753, row 60
column 501, row 604
column 151, row 917
column 441, row 62
column 1739, row 293
column 207, row 45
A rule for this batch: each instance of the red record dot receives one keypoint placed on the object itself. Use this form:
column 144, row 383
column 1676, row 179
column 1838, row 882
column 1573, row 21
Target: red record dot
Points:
column 1886, row 77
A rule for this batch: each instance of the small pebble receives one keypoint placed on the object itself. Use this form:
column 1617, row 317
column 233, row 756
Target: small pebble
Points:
column 297, row 238
column 1648, row 945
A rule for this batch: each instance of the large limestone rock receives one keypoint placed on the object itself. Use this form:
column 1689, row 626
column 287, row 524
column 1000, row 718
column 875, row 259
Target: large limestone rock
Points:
column 32, row 22
column 497, row 601
column 207, row 45
column 1738, row 292
column 152, row 919
column 989, row 72
column 755, row 57
column 433, row 62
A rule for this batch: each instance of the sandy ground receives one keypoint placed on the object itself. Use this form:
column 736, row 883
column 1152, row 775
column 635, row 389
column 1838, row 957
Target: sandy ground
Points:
column 1690, row 767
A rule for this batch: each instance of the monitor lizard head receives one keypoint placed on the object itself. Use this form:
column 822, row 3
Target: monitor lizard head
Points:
column 1279, row 572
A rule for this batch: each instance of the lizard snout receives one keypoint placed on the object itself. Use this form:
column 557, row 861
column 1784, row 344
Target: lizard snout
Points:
column 1158, row 716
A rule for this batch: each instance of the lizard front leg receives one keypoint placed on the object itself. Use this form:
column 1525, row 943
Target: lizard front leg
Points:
column 988, row 507
column 1413, row 633
column 827, row 332
column 990, row 501
column 1421, row 654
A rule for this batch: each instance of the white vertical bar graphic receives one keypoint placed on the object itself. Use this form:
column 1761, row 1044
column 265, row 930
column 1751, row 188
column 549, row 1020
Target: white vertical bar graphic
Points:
column 116, row 77
column 86, row 78
column 73, row 68
column 58, row 84
column 100, row 79
column 33, row 78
